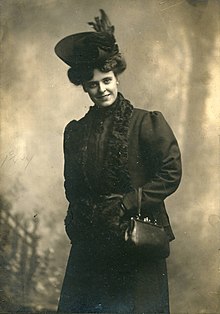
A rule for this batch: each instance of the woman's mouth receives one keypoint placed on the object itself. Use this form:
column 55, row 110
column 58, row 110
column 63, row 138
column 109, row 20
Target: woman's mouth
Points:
column 103, row 96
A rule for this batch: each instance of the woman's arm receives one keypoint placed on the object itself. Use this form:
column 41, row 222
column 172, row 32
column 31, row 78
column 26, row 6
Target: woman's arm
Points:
column 162, row 160
column 71, row 176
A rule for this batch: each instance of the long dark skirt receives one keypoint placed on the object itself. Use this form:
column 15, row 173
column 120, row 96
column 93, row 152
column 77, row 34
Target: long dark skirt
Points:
column 97, row 282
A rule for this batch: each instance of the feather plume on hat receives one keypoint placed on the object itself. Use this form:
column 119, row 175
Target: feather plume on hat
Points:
column 102, row 24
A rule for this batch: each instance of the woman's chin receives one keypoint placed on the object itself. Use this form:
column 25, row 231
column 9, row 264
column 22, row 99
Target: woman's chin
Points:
column 105, row 101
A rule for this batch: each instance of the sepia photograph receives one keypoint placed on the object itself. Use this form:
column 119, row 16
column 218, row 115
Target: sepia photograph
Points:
column 110, row 156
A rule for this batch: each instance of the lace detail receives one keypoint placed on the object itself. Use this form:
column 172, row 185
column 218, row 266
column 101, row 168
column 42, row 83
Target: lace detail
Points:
column 116, row 164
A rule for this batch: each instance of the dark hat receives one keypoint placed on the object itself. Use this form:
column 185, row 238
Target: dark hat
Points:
column 84, row 49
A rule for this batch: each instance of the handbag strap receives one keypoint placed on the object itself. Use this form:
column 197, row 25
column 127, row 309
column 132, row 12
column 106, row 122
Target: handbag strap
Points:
column 139, row 198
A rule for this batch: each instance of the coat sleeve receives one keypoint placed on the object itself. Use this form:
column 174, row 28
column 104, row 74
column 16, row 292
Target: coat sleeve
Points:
column 162, row 159
column 70, row 168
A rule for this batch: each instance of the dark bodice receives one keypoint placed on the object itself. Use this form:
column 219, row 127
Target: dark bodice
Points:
column 96, row 149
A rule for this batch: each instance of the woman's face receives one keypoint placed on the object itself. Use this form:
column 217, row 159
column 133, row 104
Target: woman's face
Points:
column 102, row 88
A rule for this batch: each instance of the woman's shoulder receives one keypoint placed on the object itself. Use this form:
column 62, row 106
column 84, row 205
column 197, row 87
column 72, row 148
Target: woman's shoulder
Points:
column 75, row 125
column 153, row 121
column 144, row 114
column 71, row 126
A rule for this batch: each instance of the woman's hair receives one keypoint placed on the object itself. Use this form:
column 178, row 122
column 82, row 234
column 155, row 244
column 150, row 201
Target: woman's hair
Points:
column 78, row 75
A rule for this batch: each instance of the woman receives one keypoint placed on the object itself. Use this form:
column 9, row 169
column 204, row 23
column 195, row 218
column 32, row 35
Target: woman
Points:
column 109, row 154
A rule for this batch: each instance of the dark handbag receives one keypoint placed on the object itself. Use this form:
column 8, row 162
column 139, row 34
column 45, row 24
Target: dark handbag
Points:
column 145, row 237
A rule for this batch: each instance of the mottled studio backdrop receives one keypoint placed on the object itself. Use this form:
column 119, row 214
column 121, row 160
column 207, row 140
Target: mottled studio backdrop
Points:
column 172, row 49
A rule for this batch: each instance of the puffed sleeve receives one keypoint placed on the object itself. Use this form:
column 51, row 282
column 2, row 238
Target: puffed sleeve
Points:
column 161, row 155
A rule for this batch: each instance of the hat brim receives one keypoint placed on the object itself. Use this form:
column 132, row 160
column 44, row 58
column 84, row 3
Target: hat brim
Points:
column 70, row 49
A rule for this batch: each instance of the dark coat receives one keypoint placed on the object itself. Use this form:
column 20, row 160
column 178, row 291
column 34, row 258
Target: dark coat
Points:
column 154, row 163
column 127, row 284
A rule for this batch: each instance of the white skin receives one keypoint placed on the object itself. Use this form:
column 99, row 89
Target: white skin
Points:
column 102, row 88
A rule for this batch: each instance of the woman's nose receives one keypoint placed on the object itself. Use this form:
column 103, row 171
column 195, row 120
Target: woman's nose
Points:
column 101, row 87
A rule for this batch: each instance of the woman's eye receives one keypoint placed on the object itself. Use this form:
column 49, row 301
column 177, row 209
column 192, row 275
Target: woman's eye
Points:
column 107, row 81
column 92, row 85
